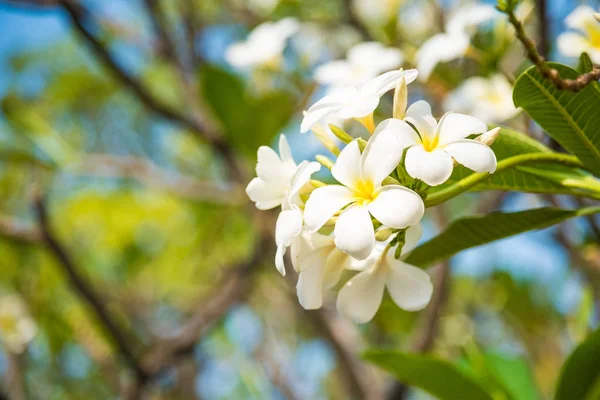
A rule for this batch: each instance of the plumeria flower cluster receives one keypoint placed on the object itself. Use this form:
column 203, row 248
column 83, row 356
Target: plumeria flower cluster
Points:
column 368, row 221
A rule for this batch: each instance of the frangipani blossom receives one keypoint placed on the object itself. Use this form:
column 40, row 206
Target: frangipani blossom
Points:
column 410, row 287
column 432, row 150
column 17, row 328
column 362, row 194
column 587, row 37
column 319, row 264
column 364, row 62
column 279, row 182
column 488, row 99
column 455, row 42
column 264, row 45
column 355, row 102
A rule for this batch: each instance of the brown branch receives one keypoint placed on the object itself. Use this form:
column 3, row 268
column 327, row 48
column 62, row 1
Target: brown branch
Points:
column 87, row 292
column 14, row 229
column 573, row 85
column 15, row 379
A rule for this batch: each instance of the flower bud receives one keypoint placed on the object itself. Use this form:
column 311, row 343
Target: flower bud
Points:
column 317, row 183
column 324, row 138
column 489, row 137
column 597, row 16
column 383, row 234
column 400, row 99
column 326, row 162
column 340, row 134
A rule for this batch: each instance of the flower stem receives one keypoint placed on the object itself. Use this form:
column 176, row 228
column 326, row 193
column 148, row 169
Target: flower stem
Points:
column 470, row 181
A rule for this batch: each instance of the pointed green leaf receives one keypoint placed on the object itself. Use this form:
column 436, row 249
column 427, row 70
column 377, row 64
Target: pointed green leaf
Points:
column 437, row 377
column 569, row 118
column 585, row 64
column 580, row 376
column 475, row 231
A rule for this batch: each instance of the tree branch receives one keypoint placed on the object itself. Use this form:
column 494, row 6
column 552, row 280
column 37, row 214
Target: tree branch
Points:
column 85, row 290
column 573, row 85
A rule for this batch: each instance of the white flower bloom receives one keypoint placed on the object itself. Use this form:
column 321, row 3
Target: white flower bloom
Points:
column 455, row 42
column 364, row 62
column 355, row 102
column 279, row 182
column 587, row 35
column 410, row 287
column 431, row 151
column 319, row 264
column 17, row 328
column 361, row 191
column 488, row 99
column 264, row 45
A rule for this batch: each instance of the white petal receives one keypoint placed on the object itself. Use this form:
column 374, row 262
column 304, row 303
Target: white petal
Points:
column 329, row 104
column 265, row 195
column 384, row 149
column 269, row 166
column 335, row 265
column 303, row 175
column 397, row 207
column 410, row 287
column 454, row 126
column 358, row 105
column 323, row 203
column 388, row 81
column 374, row 56
column 310, row 286
column 340, row 73
column 413, row 235
column 469, row 16
column 580, row 18
column 347, row 166
column 572, row 44
column 433, row 168
column 361, row 296
column 473, row 155
column 354, row 233
column 419, row 114
column 285, row 153
column 288, row 226
column 440, row 48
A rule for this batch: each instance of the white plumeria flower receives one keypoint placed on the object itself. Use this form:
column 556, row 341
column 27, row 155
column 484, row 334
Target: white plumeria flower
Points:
column 488, row 99
column 361, row 191
column 279, row 182
column 410, row 287
column 431, row 150
column 364, row 62
column 454, row 43
column 264, row 45
column 355, row 102
column 319, row 264
column 587, row 37
column 17, row 328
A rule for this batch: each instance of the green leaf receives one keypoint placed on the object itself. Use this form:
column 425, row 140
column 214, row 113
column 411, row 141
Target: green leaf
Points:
column 569, row 118
column 249, row 120
column 437, row 377
column 585, row 64
column 514, row 373
column 580, row 376
column 477, row 230
column 511, row 143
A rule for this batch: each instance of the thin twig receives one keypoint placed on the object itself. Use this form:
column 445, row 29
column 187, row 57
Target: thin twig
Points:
column 86, row 291
column 573, row 85
column 15, row 379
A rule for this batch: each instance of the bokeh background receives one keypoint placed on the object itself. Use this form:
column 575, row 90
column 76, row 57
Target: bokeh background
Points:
column 153, row 218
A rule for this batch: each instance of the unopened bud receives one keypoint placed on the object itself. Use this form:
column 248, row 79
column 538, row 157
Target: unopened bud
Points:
column 317, row 183
column 304, row 197
column 324, row 138
column 383, row 234
column 489, row 137
column 341, row 134
column 400, row 99
column 362, row 144
column 326, row 162
column 388, row 180
column 331, row 221
column 597, row 16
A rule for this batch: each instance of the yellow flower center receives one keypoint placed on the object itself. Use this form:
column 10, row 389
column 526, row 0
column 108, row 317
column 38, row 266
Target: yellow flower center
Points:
column 594, row 34
column 364, row 190
column 430, row 144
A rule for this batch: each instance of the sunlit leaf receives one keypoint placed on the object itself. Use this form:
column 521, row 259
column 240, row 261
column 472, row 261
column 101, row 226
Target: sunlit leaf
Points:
column 475, row 231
